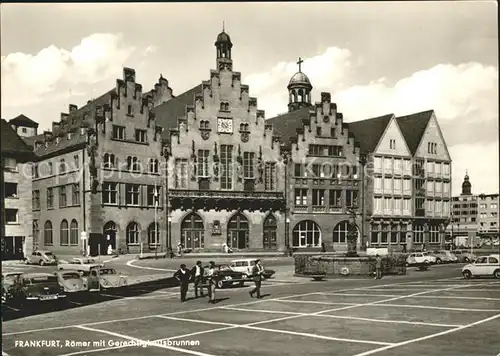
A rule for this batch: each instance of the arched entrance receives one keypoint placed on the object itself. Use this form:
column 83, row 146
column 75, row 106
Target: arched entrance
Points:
column 306, row 234
column 340, row 232
column 238, row 235
column 269, row 233
column 110, row 234
column 193, row 231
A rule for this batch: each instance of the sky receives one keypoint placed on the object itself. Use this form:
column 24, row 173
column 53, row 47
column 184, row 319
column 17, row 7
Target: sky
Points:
column 375, row 58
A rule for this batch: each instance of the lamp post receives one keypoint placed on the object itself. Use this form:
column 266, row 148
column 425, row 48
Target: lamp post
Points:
column 287, row 236
column 362, row 161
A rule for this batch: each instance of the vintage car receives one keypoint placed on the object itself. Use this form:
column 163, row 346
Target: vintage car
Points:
column 226, row 276
column 464, row 256
column 246, row 265
column 417, row 258
column 42, row 258
column 32, row 287
column 71, row 281
column 484, row 266
column 72, row 264
column 441, row 257
column 8, row 280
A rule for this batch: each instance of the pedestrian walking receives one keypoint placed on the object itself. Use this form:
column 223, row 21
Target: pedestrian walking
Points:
column 183, row 276
column 211, row 281
column 179, row 249
column 378, row 267
column 257, row 273
column 197, row 275
column 323, row 247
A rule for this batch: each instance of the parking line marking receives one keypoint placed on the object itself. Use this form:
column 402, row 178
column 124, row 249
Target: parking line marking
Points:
column 438, row 308
column 263, row 311
column 121, row 297
column 423, row 296
column 318, row 302
column 76, row 303
column 390, row 321
column 197, row 321
column 411, row 341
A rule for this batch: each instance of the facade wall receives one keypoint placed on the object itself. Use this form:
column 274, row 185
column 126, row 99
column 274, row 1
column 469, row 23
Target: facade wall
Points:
column 465, row 216
column 20, row 204
column 320, row 180
column 25, row 131
column 488, row 214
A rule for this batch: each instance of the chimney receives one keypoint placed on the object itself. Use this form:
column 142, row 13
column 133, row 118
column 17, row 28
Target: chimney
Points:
column 47, row 135
column 128, row 75
column 72, row 108
column 64, row 116
column 55, row 126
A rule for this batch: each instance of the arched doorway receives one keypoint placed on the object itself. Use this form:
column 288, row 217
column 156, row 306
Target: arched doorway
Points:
column 238, row 232
column 193, row 231
column 340, row 232
column 269, row 233
column 306, row 234
column 110, row 234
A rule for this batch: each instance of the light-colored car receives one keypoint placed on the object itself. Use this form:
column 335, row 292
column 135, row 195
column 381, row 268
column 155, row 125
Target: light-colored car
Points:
column 482, row 267
column 464, row 256
column 450, row 255
column 441, row 257
column 430, row 257
column 71, row 281
column 109, row 278
column 75, row 262
column 245, row 266
column 417, row 258
column 42, row 258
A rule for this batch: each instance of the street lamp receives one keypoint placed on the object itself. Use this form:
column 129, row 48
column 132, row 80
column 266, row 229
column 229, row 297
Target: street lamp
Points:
column 287, row 236
column 362, row 161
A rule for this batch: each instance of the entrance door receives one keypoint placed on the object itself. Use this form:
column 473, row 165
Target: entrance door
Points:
column 238, row 232
column 110, row 232
column 242, row 237
column 269, row 234
column 96, row 243
column 8, row 248
column 18, row 247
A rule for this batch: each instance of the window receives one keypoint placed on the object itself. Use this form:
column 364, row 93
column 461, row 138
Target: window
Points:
column 300, row 170
column 388, row 185
column 132, row 194
column 270, row 227
column 153, row 234
column 335, row 198
column 226, row 162
column 181, row 173
column 340, row 232
column 109, row 193
column 130, row 110
column 62, row 166
column 73, row 233
column 50, row 198
column 407, row 186
column 11, row 216
column 133, row 164
column 378, row 184
column 248, row 164
column 153, row 195
column 438, row 205
column 203, row 163
column 446, row 169
column 47, row 234
column 36, row 199
column 24, row 130
column 429, row 205
column 446, row 187
column 335, row 151
column 398, row 165
column 387, row 165
column 377, row 164
column 395, row 234
column 318, row 131
column 375, row 234
column 318, row 197
column 76, row 194
column 64, row 237
column 193, row 231
column 494, row 206
column 438, row 168
column 140, row 135
column 36, row 173
column 118, row 132
column 270, row 176
column 351, row 198
column 384, row 236
column 204, row 125
column 306, row 233
column 316, row 150
column 332, row 132
column 10, row 164
column 10, row 190
column 76, row 161
column 434, row 234
column 153, row 165
column 109, row 160
column 397, row 186
column 430, row 187
column 62, row 197
column 392, row 144
column 377, row 205
column 407, row 167
column 438, row 186
column 301, row 197
column 388, row 206
column 397, row 206
column 132, row 234
column 432, row 147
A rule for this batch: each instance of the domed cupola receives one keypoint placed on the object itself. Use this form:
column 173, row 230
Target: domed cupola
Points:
column 466, row 186
column 223, row 46
column 299, row 90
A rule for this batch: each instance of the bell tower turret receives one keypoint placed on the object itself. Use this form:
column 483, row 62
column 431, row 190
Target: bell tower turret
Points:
column 299, row 90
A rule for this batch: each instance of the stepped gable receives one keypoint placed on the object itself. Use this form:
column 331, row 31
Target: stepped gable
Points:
column 413, row 127
column 167, row 114
column 23, row 120
column 285, row 126
column 12, row 143
column 368, row 132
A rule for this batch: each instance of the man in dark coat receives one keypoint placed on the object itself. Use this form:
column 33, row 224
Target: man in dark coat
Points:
column 197, row 275
column 183, row 276
column 257, row 273
column 378, row 267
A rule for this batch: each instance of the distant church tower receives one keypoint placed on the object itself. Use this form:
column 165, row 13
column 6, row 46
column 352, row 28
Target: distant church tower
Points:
column 299, row 90
column 224, row 45
column 466, row 186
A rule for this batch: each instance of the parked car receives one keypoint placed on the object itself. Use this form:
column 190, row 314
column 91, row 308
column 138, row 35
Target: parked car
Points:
column 464, row 256
column 71, row 281
column 441, row 257
column 451, row 256
column 483, row 266
column 432, row 260
column 70, row 265
column 417, row 258
column 227, row 276
column 108, row 278
column 246, row 266
column 42, row 258
column 8, row 280
column 36, row 287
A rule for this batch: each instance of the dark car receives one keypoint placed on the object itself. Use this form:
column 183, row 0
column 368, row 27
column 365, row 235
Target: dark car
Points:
column 227, row 277
column 9, row 279
column 37, row 287
column 268, row 273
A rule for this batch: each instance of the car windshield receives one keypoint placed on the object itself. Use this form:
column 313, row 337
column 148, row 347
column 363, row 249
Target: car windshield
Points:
column 40, row 280
column 49, row 254
column 107, row 271
column 224, row 268
column 76, row 262
column 72, row 275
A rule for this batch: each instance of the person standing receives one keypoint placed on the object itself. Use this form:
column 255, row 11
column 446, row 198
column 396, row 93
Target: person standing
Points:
column 183, row 276
column 378, row 267
column 212, row 282
column 197, row 275
column 257, row 273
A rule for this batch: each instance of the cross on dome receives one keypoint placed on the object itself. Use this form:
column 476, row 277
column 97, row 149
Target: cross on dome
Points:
column 299, row 62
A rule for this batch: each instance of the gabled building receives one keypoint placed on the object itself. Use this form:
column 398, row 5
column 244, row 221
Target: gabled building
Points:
column 24, row 126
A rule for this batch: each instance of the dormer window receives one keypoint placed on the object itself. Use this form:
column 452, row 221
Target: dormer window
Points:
column 392, row 144
column 24, row 130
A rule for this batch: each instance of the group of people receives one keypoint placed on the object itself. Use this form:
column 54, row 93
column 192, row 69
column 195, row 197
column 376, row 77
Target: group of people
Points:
column 209, row 279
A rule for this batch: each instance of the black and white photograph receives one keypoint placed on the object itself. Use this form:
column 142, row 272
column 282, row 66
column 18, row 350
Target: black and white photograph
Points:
column 250, row 178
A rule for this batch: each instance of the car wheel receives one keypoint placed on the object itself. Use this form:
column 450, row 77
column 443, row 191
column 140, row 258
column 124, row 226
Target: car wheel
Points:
column 438, row 261
column 466, row 259
column 426, row 262
column 497, row 274
column 220, row 285
column 42, row 263
column 467, row 274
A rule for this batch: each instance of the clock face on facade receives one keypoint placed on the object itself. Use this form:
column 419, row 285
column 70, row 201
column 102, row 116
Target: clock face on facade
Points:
column 225, row 125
